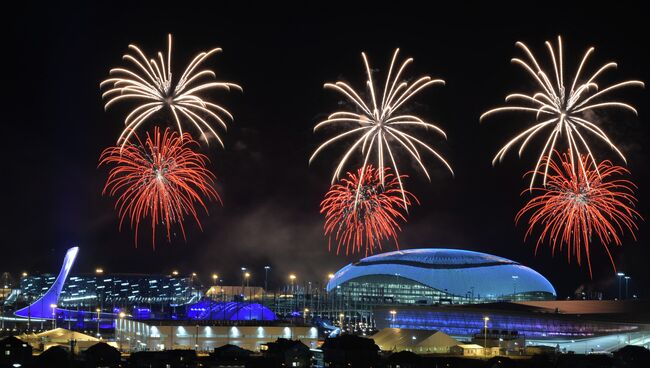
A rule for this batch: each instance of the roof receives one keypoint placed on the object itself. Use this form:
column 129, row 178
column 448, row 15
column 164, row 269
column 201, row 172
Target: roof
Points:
column 63, row 335
column 404, row 338
column 469, row 346
column 454, row 270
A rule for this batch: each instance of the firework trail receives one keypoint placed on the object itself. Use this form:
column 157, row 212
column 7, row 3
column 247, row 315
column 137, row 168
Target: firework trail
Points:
column 573, row 208
column 562, row 104
column 378, row 125
column 161, row 178
column 150, row 83
column 361, row 212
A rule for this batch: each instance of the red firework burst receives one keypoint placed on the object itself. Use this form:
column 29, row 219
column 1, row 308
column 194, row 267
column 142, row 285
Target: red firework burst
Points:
column 162, row 179
column 575, row 205
column 369, row 217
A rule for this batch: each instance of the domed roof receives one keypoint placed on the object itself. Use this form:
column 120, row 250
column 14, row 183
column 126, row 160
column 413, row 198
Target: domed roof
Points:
column 454, row 270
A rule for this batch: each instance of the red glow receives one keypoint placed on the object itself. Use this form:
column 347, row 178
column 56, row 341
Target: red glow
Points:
column 374, row 218
column 573, row 207
column 162, row 179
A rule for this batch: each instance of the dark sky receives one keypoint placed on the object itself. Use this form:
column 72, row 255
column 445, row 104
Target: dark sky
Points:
column 55, row 127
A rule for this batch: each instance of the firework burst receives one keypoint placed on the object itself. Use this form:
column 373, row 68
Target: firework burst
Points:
column 162, row 179
column 562, row 108
column 150, row 82
column 361, row 211
column 378, row 126
column 573, row 208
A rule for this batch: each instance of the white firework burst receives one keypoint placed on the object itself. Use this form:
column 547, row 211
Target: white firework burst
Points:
column 378, row 126
column 150, row 82
column 562, row 108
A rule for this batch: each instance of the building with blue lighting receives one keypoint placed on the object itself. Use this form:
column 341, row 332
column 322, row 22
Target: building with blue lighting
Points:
column 437, row 276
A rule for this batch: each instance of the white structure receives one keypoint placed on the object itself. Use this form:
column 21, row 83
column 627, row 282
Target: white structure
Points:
column 136, row 336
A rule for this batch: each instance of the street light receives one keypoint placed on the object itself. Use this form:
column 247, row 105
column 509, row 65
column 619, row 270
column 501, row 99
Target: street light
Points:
column 292, row 278
column 121, row 316
column 24, row 274
column 175, row 273
column 53, row 306
column 98, row 310
column 392, row 315
column 266, row 277
column 485, row 321
column 99, row 271
column 304, row 316
column 514, row 287
column 627, row 280
column 619, row 274
column 266, row 283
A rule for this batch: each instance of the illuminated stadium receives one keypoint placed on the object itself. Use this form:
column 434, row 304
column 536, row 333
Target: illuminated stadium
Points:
column 437, row 276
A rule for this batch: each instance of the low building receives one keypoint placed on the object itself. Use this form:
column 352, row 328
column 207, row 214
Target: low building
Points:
column 287, row 353
column 230, row 356
column 417, row 341
column 15, row 352
column 166, row 358
column 69, row 340
column 102, row 355
column 473, row 350
column 350, row 351
column 510, row 342
column 226, row 292
column 204, row 336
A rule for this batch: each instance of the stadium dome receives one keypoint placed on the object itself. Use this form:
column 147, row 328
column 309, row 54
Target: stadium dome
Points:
column 452, row 272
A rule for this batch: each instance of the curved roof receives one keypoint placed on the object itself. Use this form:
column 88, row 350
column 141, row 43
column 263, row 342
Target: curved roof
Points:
column 457, row 271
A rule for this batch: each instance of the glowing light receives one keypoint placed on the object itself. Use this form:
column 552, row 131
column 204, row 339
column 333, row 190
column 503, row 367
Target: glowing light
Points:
column 567, row 109
column 572, row 208
column 380, row 126
column 360, row 211
column 150, row 82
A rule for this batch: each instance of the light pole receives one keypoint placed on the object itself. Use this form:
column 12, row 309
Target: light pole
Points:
column 304, row 315
column 121, row 316
column 627, row 280
column 514, row 287
column 266, row 277
column 191, row 288
column 393, row 313
column 53, row 306
column 485, row 321
column 620, row 275
column 99, row 271
column 98, row 310
column 215, row 282
column 266, row 284
column 243, row 272
column 292, row 278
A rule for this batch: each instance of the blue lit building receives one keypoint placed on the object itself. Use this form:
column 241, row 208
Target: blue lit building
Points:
column 229, row 311
column 437, row 276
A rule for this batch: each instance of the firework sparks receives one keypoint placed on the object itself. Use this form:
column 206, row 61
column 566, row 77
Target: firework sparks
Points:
column 360, row 211
column 162, row 179
column 150, row 82
column 572, row 208
column 379, row 127
column 562, row 108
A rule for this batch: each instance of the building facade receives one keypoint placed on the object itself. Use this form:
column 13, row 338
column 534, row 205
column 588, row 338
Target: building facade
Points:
column 113, row 290
column 160, row 335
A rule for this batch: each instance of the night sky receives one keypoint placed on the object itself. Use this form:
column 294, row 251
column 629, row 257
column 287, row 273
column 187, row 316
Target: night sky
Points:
column 54, row 128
